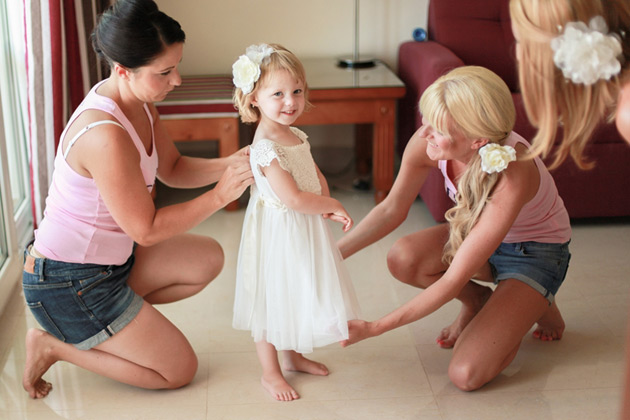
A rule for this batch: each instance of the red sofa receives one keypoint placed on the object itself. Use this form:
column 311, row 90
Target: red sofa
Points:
column 478, row 32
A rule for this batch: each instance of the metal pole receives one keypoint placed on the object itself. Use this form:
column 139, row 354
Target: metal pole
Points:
column 356, row 30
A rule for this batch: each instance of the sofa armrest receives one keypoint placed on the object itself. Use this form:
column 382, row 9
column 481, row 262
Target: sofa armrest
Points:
column 420, row 63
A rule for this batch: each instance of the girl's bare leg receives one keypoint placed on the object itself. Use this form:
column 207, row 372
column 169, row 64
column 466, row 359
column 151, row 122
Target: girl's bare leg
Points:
column 416, row 259
column 150, row 352
column 272, row 379
column 294, row 361
column 490, row 341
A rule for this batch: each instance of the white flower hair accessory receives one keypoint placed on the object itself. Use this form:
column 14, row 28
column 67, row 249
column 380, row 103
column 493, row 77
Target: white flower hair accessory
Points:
column 495, row 158
column 586, row 54
column 246, row 70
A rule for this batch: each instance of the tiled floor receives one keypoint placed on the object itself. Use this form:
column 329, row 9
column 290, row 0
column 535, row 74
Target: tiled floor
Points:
column 399, row 375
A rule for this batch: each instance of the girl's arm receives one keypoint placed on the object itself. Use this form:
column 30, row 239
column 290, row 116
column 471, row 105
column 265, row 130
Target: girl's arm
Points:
column 179, row 171
column 512, row 192
column 113, row 162
column 323, row 182
column 392, row 211
column 283, row 184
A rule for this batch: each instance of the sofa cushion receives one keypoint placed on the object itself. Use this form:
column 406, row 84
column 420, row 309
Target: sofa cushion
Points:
column 488, row 40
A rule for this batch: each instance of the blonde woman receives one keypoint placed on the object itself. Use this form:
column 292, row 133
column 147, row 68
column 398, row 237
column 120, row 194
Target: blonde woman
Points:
column 506, row 208
column 560, row 85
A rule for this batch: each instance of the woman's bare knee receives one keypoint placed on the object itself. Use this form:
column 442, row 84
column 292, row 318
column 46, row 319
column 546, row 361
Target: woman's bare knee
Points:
column 208, row 260
column 183, row 372
column 217, row 260
column 465, row 376
column 402, row 262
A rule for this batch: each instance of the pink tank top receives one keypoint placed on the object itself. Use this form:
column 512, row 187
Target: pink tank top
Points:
column 543, row 219
column 77, row 226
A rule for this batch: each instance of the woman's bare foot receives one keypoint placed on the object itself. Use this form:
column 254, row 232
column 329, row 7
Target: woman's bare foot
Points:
column 449, row 335
column 39, row 359
column 278, row 387
column 550, row 325
column 294, row 361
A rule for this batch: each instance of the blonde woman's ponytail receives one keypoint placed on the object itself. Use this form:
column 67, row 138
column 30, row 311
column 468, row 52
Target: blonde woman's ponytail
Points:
column 473, row 193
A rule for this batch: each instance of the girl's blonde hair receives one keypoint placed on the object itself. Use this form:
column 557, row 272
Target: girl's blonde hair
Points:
column 477, row 104
column 550, row 99
column 280, row 59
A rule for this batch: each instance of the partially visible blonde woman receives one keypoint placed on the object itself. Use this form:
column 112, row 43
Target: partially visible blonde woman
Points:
column 560, row 86
column 506, row 207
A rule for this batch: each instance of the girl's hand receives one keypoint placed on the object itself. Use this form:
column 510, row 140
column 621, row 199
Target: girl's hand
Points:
column 357, row 330
column 340, row 215
column 345, row 220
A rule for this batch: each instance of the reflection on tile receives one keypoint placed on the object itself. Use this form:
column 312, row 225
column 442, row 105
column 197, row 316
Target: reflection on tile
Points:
column 583, row 404
column 399, row 375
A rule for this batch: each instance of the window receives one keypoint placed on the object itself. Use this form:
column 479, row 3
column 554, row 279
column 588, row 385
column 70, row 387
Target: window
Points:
column 16, row 224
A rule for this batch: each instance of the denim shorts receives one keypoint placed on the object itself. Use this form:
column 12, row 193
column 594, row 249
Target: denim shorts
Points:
column 80, row 304
column 543, row 266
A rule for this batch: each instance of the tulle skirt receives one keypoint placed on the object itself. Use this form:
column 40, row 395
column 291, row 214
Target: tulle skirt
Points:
column 292, row 287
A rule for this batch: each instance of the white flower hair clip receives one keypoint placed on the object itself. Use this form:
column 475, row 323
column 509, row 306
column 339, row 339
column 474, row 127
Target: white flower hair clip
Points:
column 586, row 54
column 246, row 70
column 495, row 158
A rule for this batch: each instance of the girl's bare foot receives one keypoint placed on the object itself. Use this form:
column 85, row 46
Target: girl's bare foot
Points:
column 39, row 359
column 278, row 387
column 449, row 335
column 550, row 325
column 294, row 361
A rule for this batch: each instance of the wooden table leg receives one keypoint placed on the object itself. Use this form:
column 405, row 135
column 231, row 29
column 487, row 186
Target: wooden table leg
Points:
column 383, row 151
column 363, row 136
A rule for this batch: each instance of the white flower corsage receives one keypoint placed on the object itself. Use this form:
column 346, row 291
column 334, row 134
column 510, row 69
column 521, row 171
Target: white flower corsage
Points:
column 586, row 54
column 495, row 158
column 246, row 70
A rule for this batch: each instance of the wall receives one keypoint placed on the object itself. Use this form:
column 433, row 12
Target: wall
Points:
column 218, row 31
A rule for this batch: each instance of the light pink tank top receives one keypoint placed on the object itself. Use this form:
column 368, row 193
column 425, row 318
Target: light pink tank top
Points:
column 77, row 226
column 543, row 219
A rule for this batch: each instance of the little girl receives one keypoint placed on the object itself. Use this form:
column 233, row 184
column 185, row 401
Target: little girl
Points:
column 292, row 289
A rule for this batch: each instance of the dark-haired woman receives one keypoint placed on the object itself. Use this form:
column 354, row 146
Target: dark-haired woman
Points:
column 103, row 253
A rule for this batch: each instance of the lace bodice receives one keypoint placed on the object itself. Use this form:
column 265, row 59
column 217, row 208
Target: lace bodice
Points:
column 297, row 160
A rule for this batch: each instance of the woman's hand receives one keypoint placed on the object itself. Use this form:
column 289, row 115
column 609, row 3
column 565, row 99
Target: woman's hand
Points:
column 238, row 156
column 357, row 330
column 236, row 178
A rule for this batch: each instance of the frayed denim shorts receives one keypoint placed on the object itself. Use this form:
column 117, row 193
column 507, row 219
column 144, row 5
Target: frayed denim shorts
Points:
column 80, row 304
column 542, row 266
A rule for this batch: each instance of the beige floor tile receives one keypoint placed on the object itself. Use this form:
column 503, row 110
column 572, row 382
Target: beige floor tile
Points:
column 582, row 404
column 398, row 375
column 417, row 408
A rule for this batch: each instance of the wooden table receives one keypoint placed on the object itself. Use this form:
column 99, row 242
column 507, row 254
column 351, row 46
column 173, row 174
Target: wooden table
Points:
column 358, row 96
column 201, row 109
